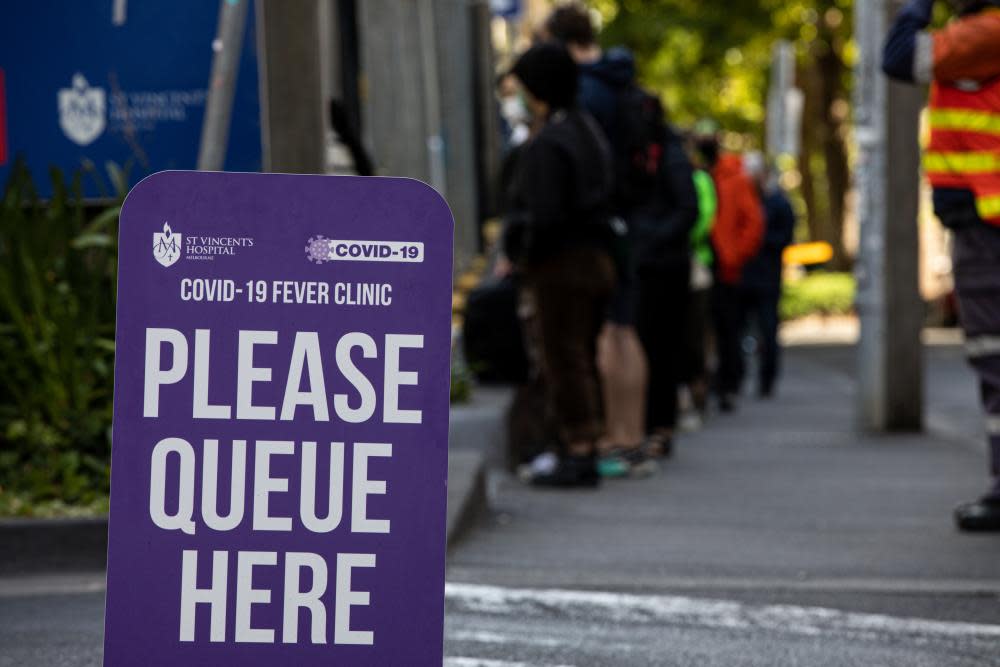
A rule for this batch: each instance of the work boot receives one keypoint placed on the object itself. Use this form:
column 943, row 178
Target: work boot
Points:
column 980, row 516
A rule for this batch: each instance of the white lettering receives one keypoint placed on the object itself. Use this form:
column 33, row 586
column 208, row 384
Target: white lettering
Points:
column 362, row 487
column 264, row 485
column 394, row 378
column 307, row 503
column 366, row 408
column 210, row 485
column 185, row 486
column 215, row 596
column 347, row 598
column 154, row 375
column 202, row 409
column 296, row 599
column 247, row 375
column 305, row 356
column 247, row 596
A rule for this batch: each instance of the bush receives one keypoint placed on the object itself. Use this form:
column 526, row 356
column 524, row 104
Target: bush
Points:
column 818, row 294
column 57, row 314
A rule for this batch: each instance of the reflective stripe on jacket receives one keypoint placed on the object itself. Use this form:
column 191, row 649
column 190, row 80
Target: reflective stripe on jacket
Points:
column 964, row 148
column 964, row 113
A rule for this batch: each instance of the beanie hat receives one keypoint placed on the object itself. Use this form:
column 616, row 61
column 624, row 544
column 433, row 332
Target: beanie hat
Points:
column 965, row 7
column 549, row 74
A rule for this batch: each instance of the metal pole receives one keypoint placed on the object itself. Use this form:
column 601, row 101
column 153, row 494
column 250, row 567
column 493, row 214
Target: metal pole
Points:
column 293, row 111
column 890, row 387
column 782, row 80
column 432, row 96
column 225, row 67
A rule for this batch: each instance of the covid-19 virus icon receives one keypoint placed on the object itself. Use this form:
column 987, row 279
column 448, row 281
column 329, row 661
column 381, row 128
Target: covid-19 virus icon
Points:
column 318, row 249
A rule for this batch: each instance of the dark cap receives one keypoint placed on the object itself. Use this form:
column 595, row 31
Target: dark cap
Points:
column 571, row 24
column 964, row 7
column 549, row 74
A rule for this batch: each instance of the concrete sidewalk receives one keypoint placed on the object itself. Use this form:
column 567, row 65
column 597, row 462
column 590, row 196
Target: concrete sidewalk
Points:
column 477, row 434
column 784, row 495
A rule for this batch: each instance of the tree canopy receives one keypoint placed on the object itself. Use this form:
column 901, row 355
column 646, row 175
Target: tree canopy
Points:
column 712, row 58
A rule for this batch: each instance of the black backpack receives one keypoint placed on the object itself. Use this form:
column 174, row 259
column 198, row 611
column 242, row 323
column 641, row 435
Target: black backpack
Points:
column 641, row 130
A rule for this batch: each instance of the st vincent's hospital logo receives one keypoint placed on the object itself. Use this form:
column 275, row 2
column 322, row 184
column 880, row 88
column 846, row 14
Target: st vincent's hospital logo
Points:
column 166, row 245
column 169, row 246
column 82, row 111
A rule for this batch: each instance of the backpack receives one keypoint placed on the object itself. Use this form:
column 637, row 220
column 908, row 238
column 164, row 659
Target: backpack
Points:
column 641, row 131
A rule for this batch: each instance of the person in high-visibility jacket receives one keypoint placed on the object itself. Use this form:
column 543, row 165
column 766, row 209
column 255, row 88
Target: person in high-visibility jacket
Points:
column 961, row 62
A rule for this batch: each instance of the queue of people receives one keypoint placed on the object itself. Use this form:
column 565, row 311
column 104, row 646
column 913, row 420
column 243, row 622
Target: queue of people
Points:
column 638, row 250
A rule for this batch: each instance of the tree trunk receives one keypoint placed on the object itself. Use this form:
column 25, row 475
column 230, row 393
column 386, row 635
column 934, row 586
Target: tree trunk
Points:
column 811, row 120
column 830, row 68
column 823, row 163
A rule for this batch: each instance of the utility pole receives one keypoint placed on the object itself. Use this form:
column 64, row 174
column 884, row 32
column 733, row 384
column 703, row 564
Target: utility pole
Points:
column 420, row 100
column 227, row 47
column 890, row 354
column 432, row 96
column 293, row 113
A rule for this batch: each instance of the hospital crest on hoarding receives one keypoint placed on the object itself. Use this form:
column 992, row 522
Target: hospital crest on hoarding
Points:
column 82, row 111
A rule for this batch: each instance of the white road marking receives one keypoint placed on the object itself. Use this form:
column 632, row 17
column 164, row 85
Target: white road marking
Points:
column 480, row 662
column 51, row 584
column 527, row 578
column 485, row 637
column 667, row 609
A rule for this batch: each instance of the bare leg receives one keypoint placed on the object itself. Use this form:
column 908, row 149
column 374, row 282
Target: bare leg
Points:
column 624, row 375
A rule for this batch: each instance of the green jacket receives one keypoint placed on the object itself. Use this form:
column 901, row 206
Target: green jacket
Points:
column 701, row 244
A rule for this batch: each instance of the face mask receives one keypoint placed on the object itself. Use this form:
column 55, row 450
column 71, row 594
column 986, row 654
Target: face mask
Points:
column 513, row 110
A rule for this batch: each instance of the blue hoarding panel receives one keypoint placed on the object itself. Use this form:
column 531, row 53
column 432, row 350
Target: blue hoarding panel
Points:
column 507, row 9
column 92, row 81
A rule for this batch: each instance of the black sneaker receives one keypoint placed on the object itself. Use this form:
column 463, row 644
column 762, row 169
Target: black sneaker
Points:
column 658, row 446
column 727, row 403
column 569, row 471
column 640, row 463
column 980, row 516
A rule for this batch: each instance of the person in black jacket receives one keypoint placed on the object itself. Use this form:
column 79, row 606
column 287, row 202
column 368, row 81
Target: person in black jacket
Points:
column 662, row 250
column 761, row 287
column 562, row 242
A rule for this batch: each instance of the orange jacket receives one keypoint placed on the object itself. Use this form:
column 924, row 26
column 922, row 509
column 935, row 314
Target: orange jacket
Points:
column 964, row 148
column 739, row 221
column 968, row 48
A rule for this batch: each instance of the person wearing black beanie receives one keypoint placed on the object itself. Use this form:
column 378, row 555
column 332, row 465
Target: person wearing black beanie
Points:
column 549, row 74
column 561, row 237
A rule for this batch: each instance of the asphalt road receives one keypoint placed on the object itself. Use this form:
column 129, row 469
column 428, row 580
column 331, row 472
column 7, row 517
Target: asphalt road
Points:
column 779, row 536
column 490, row 626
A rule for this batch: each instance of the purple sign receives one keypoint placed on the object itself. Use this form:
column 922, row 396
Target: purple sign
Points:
column 281, row 422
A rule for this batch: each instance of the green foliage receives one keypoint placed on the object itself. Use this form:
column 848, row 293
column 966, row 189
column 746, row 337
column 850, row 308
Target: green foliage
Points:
column 57, row 312
column 713, row 58
column 818, row 294
column 461, row 380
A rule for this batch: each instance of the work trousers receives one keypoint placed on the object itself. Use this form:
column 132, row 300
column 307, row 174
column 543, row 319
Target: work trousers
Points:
column 760, row 310
column 727, row 318
column 694, row 365
column 565, row 299
column 664, row 304
column 976, row 262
